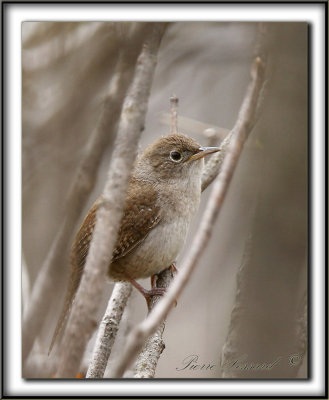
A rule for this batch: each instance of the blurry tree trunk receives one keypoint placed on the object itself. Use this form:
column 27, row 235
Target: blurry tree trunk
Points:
column 271, row 281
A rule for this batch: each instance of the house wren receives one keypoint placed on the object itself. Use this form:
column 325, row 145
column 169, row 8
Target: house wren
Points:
column 162, row 197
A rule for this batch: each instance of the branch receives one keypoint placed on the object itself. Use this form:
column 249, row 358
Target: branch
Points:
column 173, row 114
column 213, row 166
column 148, row 358
column 45, row 289
column 80, row 325
column 239, row 134
column 108, row 329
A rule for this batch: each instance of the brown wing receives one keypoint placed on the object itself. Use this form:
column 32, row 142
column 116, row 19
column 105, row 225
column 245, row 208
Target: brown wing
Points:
column 140, row 216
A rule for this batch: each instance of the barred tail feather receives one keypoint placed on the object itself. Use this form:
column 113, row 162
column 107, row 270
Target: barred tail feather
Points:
column 61, row 323
column 74, row 282
column 79, row 253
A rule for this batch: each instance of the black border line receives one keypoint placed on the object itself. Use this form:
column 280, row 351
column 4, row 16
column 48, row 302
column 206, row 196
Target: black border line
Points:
column 4, row 202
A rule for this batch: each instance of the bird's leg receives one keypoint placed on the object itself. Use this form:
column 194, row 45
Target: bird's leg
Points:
column 155, row 291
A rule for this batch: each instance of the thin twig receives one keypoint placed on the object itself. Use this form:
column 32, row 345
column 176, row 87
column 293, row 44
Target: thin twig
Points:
column 80, row 325
column 242, row 128
column 45, row 289
column 173, row 114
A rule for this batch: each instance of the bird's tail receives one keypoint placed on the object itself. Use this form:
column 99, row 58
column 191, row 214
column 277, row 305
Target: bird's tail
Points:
column 74, row 281
column 79, row 253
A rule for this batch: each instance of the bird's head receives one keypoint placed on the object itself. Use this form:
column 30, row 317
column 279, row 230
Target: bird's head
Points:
column 173, row 157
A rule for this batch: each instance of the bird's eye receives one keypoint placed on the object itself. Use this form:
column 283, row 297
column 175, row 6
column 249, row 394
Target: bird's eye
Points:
column 175, row 156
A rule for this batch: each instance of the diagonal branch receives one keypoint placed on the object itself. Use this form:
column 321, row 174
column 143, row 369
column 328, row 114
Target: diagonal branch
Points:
column 80, row 325
column 240, row 132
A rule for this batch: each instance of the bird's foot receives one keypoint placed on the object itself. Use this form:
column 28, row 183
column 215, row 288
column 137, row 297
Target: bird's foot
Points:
column 153, row 292
column 148, row 294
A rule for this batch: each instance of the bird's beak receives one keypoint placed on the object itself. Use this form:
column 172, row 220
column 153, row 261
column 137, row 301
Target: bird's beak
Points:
column 203, row 151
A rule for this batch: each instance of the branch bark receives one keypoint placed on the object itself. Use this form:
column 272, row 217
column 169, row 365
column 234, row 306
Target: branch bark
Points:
column 242, row 128
column 108, row 329
column 148, row 358
column 45, row 288
column 80, row 325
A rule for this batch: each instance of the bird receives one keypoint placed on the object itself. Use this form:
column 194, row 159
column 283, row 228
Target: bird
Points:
column 162, row 197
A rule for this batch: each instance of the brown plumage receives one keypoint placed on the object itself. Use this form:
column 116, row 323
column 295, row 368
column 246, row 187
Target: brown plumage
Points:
column 162, row 197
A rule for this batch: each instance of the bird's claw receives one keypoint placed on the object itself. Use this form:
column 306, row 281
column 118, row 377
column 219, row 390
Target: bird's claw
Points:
column 155, row 291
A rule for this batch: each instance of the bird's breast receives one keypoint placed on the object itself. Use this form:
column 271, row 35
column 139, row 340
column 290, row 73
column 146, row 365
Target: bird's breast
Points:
column 158, row 250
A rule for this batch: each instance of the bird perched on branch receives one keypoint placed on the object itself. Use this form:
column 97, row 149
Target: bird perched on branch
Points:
column 162, row 197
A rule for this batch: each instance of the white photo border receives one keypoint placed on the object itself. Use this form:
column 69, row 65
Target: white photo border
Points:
column 13, row 15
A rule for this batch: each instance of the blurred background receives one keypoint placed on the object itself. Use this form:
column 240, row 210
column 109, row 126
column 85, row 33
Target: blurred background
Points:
column 247, row 300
